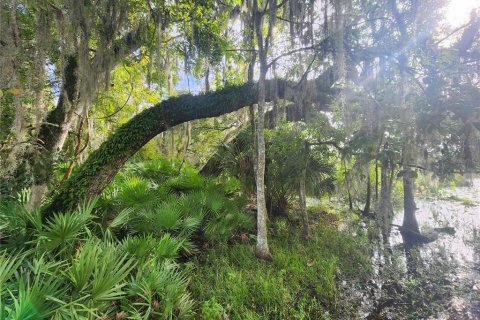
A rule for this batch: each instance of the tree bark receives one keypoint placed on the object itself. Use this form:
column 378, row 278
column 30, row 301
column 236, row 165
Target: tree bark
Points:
column 366, row 209
column 262, row 249
column 302, row 194
column 409, row 218
column 385, row 211
column 54, row 131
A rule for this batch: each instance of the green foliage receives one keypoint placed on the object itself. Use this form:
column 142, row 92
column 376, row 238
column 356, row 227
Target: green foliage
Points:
column 212, row 310
column 161, row 199
column 286, row 158
column 116, row 256
column 300, row 283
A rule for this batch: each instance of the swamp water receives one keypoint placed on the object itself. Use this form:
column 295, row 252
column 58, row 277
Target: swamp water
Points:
column 438, row 280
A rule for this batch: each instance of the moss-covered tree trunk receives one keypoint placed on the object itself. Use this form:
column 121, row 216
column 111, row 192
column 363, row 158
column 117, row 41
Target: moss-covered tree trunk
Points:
column 102, row 165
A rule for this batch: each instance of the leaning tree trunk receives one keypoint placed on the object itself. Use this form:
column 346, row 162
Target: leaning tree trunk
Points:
column 102, row 165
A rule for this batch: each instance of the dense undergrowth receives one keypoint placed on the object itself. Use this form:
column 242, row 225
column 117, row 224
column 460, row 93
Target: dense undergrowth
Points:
column 164, row 243
column 300, row 283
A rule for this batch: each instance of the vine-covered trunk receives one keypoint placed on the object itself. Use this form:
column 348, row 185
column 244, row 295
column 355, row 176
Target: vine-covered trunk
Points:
column 54, row 131
column 102, row 164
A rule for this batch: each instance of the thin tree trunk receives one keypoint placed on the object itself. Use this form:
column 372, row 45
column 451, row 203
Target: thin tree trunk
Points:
column 366, row 209
column 409, row 218
column 467, row 149
column 188, row 133
column 302, row 194
column 385, row 211
column 207, row 78
column 347, row 184
column 250, row 76
column 376, row 180
column 262, row 250
column 172, row 143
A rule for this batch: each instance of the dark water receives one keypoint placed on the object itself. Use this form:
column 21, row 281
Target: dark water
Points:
column 459, row 252
column 439, row 280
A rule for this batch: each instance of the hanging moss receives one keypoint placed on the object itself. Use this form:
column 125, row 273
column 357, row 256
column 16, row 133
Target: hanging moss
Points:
column 102, row 165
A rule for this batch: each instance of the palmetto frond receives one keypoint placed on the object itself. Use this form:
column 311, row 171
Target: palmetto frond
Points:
column 158, row 170
column 136, row 192
column 62, row 230
column 33, row 290
column 98, row 274
column 144, row 248
column 161, row 291
column 186, row 183
column 9, row 263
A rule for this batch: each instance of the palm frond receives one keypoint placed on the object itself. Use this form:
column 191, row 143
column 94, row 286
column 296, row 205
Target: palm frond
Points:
column 136, row 192
column 9, row 263
column 62, row 230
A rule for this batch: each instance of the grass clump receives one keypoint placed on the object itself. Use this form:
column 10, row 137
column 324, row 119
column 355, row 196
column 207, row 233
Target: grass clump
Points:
column 300, row 283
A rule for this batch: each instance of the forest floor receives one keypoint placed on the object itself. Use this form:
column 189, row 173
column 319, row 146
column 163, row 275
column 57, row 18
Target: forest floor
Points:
column 302, row 281
column 345, row 274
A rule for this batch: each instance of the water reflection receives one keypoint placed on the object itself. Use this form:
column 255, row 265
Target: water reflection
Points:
column 447, row 268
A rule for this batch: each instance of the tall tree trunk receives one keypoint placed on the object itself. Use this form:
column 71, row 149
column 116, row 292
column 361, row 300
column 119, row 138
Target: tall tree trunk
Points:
column 302, row 194
column 262, row 250
column 385, row 210
column 366, row 209
column 250, row 77
column 409, row 219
